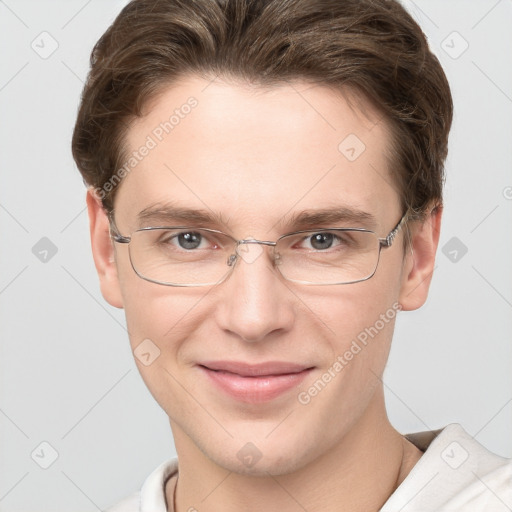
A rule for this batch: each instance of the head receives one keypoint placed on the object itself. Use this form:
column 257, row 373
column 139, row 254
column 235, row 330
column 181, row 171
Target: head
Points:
column 255, row 113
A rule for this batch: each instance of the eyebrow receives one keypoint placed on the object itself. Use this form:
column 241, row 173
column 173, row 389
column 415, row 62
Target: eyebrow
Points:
column 338, row 216
column 163, row 214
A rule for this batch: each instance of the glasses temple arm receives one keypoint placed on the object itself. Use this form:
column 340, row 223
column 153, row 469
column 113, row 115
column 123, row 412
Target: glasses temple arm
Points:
column 388, row 241
column 114, row 232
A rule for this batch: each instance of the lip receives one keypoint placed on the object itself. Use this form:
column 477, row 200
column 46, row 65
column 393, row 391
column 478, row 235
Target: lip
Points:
column 254, row 383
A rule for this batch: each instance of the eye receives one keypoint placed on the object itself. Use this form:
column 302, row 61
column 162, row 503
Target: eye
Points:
column 322, row 240
column 187, row 240
column 325, row 240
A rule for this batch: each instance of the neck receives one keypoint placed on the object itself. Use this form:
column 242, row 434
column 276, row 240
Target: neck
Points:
column 358, row 474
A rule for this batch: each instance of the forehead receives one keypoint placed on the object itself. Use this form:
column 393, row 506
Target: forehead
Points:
column 256, row 155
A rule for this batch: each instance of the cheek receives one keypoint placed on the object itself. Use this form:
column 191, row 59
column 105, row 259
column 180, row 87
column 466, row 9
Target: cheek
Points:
column 360, row 326
column 345, row 311
column 362, row 331
column 358, row 322
column 160, row 320
column 163, row 314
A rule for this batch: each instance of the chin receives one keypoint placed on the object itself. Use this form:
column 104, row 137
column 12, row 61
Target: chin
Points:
column 264, row 457
column 276, row 465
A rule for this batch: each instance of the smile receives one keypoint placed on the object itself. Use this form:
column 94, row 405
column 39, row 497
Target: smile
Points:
column 254, row 383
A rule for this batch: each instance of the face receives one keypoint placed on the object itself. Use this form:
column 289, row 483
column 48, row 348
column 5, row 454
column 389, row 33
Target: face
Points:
column 258, row 359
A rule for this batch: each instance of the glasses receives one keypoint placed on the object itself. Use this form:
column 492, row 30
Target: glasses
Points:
column 190, row 256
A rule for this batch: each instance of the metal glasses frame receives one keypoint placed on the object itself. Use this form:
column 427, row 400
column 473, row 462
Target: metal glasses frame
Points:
column 385, row 242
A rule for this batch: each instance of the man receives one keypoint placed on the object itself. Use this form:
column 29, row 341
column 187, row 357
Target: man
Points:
column 265, row 196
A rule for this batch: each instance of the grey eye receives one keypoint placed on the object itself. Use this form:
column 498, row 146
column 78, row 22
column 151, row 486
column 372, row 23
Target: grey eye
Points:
column 322, row 240
column 189, row 240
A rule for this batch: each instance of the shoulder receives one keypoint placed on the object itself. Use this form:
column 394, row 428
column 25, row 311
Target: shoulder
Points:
column 478, row 477
column 152, row 493
column 456, row 473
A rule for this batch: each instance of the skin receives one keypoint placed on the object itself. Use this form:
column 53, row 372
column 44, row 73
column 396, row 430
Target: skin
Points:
column 255, row 156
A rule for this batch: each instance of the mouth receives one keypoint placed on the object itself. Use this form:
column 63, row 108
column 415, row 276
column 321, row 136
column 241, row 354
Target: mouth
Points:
column 254, row 383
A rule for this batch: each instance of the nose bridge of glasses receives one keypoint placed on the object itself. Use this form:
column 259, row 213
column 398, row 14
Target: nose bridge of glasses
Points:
column 249, row 255
column 254, row 241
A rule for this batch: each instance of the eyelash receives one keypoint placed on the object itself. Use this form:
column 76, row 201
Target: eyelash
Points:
column 168, row 238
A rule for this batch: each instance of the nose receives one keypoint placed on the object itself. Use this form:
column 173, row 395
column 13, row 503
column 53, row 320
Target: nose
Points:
column 254, row 302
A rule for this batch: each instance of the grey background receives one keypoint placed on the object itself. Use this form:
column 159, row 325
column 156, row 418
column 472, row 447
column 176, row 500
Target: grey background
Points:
column 67, row 376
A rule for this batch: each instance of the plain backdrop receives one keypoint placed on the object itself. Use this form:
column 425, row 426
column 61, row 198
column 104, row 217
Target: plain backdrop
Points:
column 67, row 376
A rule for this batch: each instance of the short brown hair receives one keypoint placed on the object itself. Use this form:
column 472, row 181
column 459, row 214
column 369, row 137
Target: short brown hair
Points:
column 371, row 46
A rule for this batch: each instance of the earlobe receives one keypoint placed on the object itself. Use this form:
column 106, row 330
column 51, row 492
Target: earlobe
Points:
column 420, row 260
column 103, row 251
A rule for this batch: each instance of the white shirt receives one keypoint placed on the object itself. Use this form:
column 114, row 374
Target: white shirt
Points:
column 455, row 474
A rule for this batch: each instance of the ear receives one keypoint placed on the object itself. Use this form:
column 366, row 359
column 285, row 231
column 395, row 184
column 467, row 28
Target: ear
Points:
column 103, row 251
column 420, row 259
